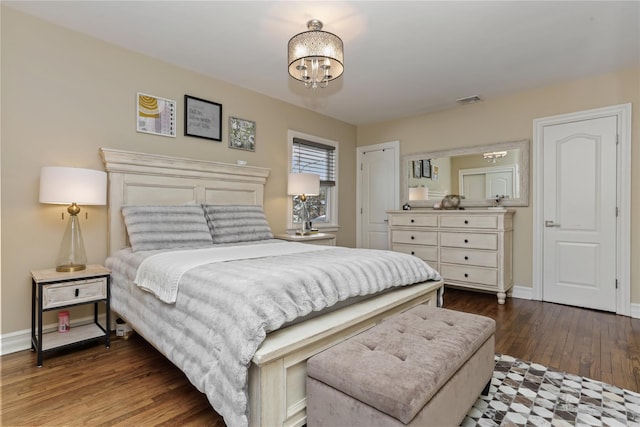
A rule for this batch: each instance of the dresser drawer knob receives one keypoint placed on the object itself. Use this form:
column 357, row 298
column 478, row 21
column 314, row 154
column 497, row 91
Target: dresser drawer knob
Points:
column 77, row 292
column 466, row 221
column 466, row 258
column 412, row 238
column 412, row 221
column 466, row 275
column 466, row 240
column 413, row 253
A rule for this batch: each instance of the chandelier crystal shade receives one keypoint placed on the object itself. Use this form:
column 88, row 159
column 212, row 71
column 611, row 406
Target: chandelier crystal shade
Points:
column 316, row 57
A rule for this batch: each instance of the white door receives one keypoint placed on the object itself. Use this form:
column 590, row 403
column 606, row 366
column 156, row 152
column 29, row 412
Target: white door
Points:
column 579, row 213
column 378, row 194
column 499, row 183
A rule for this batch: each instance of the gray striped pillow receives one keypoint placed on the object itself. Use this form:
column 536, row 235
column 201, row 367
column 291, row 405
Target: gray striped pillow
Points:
column 166, row 227
column 237, row 223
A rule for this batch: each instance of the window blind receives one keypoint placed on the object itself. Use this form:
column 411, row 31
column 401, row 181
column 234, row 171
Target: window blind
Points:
column 314, row 157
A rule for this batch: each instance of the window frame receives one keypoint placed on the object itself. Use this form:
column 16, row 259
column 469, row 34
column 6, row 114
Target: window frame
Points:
column 332, row 191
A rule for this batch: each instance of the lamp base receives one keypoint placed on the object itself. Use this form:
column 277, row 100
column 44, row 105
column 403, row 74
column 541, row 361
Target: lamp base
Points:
column 70, row 268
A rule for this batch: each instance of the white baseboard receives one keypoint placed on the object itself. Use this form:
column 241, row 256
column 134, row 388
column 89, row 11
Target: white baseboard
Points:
column 21, row 340
column 522, row 292
column 635, row 310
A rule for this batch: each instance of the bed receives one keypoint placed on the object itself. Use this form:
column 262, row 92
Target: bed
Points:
column 274, row 385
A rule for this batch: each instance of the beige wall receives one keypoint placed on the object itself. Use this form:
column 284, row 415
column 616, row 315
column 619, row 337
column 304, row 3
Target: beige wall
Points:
column 510, row 118
column 64, row 95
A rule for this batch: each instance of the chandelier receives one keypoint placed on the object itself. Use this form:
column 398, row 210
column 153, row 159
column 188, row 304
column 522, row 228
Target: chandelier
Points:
column 315, row 57
column 494, row 155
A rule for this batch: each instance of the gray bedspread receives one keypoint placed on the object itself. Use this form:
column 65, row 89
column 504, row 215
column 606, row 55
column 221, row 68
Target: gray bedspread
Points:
column 224, row 311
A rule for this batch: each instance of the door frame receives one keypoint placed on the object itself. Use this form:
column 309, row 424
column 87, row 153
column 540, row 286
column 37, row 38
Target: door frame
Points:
column 396, row 180
column 623, row 196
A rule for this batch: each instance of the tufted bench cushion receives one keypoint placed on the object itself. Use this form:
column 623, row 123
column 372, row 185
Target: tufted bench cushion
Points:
column 400, row 364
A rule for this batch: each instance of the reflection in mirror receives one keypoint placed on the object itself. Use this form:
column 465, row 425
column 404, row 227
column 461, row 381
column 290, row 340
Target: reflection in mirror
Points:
column 480, row 174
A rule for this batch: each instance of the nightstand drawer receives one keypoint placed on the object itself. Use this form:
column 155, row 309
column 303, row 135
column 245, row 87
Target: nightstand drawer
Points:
column 75, row 292
column 470, row 240
column 414, row 237
column 426, row 253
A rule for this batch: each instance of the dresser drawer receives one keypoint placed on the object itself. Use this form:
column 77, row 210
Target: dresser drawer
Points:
column 485, row 276
column 414, row 237
column 414, row 220
column 469, row 257
column 470, row 221
column 469, row 240
column 426, row 253
column 76, row 292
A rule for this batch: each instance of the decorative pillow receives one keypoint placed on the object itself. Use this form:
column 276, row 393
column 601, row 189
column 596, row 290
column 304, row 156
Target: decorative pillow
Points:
column 166, row 227
column 237, row 223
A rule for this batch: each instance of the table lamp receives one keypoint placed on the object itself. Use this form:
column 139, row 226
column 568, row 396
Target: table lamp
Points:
column 303, row 185
column 72, row 186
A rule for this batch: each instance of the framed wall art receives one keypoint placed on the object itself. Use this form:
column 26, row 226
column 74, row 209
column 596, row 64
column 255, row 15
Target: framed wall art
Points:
column 202, row 118
column 426, row 168
column 417, row 168
column 242, row 134
column 155, row 115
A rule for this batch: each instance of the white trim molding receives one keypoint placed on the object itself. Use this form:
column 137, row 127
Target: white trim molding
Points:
column 623, row 178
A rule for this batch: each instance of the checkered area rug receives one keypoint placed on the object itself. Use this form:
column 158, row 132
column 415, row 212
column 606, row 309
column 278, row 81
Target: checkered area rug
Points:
column 528, row 394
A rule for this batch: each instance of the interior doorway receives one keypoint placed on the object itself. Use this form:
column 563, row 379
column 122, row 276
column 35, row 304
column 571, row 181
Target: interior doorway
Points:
column 378, row 186
column 582, row 209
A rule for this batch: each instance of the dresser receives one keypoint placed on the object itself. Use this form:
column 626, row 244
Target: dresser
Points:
column 470, row 248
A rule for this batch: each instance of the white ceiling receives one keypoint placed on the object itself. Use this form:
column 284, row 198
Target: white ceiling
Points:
column 401, row 58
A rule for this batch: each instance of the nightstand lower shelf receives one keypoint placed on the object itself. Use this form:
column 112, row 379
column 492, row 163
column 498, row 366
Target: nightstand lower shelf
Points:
column 77, row 334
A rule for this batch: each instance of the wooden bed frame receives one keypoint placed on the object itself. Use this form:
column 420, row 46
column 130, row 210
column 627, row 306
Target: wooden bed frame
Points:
column 277, row 376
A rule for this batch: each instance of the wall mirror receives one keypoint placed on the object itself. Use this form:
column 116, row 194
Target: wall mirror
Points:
column 478, row 173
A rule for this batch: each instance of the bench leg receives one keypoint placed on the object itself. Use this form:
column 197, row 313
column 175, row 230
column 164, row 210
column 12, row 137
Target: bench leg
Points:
column 485, row 390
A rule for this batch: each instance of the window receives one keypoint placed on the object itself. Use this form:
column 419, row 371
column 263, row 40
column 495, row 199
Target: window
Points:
column 320, row 156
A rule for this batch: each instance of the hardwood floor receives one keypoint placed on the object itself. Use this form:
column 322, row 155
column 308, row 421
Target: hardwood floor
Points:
column 132, row 384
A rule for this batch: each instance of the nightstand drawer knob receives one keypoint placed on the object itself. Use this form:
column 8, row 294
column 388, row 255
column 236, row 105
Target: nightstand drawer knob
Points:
column 413, row 253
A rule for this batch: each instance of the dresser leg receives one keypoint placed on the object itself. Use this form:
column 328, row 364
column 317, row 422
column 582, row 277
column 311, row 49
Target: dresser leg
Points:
column 502, row 297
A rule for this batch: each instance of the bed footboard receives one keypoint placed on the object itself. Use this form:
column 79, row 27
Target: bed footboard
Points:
column 277, row 377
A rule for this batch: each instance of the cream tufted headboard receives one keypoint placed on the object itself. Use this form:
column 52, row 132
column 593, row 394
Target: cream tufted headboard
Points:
column 152, row 179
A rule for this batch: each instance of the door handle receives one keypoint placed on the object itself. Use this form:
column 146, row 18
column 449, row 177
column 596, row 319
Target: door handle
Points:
column 551, row 224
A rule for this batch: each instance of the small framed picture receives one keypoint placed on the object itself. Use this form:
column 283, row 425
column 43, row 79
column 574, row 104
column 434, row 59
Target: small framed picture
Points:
column 417, row 169
column 202, row 118
column 155, row 115
column 242, row 134
column 426, row 168
column 434, row 173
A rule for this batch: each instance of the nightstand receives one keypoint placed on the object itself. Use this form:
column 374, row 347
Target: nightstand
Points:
column 52, row 290
column 324, row 239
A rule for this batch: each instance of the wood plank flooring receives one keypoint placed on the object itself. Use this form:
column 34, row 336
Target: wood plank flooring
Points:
column 132, row 384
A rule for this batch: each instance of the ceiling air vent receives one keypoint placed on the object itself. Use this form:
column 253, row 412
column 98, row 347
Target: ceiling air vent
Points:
column 469, row 100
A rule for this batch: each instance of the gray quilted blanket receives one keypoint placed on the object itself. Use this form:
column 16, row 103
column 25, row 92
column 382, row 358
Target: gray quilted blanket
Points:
column 224, row 310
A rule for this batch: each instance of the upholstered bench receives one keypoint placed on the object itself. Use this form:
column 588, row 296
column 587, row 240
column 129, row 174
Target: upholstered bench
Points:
column 424, row 367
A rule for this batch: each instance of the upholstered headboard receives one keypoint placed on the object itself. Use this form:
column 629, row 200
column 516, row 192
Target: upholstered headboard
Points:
column 152, row 179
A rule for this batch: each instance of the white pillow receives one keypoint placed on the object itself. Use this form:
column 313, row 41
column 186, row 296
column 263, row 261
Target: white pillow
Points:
column 166, row 227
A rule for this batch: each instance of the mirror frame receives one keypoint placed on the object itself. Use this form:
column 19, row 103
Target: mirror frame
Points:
column 523, row 173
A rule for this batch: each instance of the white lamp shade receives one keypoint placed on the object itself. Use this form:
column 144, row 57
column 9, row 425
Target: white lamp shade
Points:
column 418, row 193
column 63, row 185
column 303, row 183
